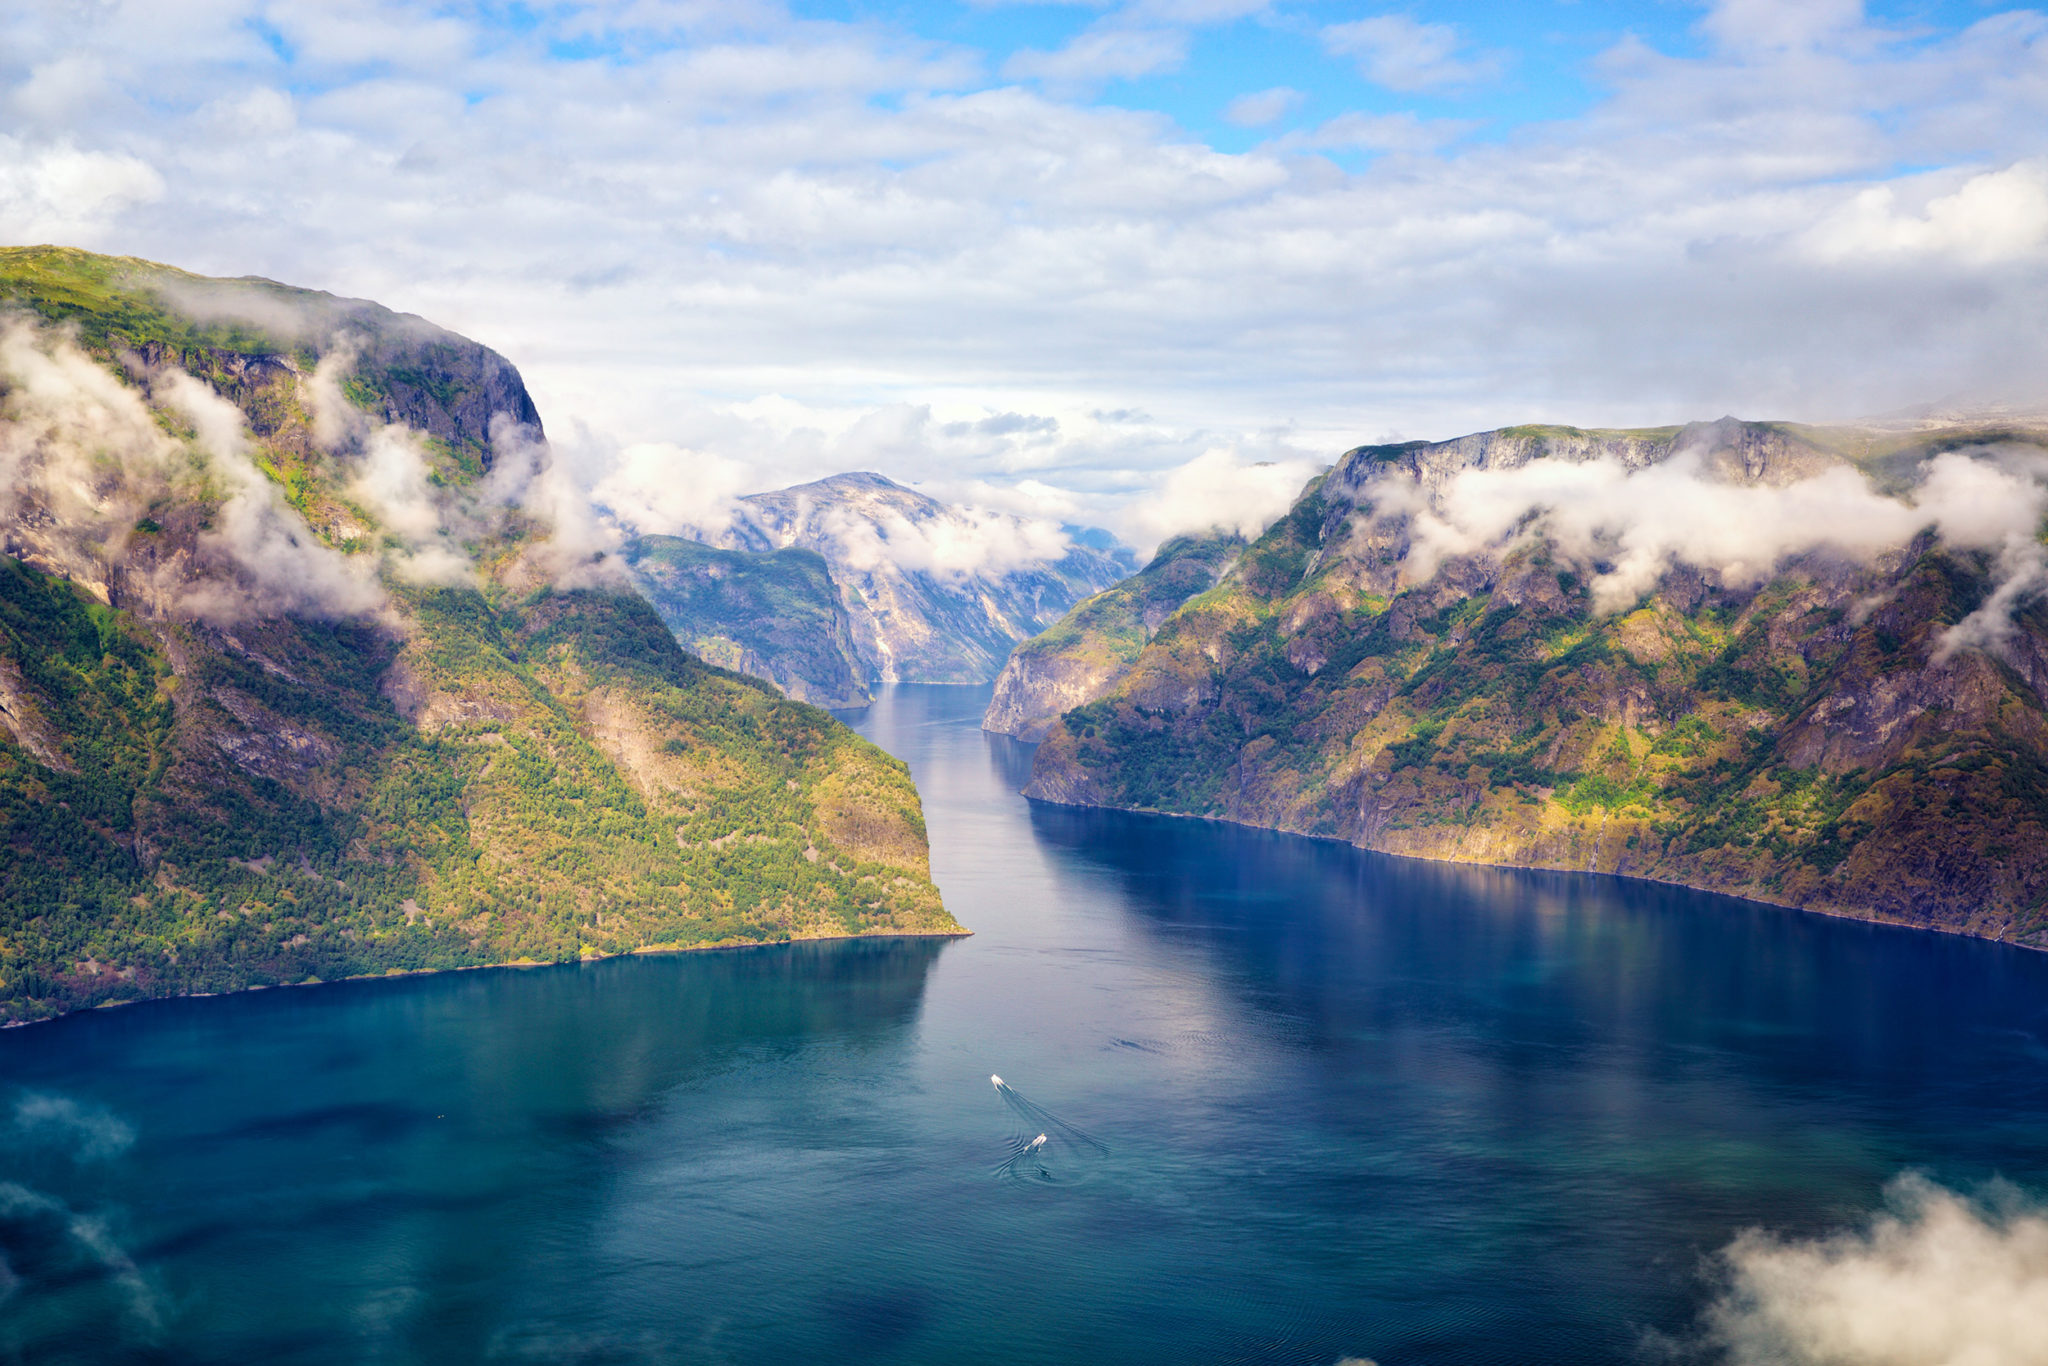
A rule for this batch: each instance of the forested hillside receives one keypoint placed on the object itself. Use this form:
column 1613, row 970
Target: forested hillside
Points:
column 1803, row 665
column 1082, row 655
column 305, row 672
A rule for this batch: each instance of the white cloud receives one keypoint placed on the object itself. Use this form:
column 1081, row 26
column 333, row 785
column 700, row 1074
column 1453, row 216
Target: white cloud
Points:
column 60, row 192
column 962, row 543
column 1105, row 53
column 667, row 489
column 734, row 203
column 1262, row 107
column 1402, row 132
column 1935, row 1280
column 1217, row 490
column 1993, row 217
column 1779, row 25
column 1402, row 53
column 1638, row 523
column 287, row 567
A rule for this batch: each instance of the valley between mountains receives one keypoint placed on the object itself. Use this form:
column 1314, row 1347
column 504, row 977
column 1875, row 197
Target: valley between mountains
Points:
column 313, row 664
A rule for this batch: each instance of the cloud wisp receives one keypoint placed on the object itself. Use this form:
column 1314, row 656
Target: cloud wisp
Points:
column 89, row 461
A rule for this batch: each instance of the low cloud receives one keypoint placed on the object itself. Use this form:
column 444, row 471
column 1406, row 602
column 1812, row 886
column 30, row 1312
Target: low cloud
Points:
column 86, row 1133
column 1934, row 1280
column 579, row 548
column 958, row 544
column 1627, row 527
column 287, row 567
column 79, row 451
column 667, row 489
column 86, row 457
column 1218, row 490
column 1114, row 468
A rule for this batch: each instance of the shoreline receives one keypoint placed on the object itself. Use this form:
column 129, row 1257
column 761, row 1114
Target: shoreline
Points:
column 395, row 974
column 1540, row 868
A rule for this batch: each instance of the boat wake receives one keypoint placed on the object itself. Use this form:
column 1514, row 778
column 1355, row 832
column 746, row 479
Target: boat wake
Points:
column 1044, row 1149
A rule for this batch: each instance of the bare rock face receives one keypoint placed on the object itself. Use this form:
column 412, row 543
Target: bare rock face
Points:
column 1860, row 730
column 774, row 614
column 931, row 593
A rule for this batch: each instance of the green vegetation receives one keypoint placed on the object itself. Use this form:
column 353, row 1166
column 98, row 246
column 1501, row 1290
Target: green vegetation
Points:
column 1082, row 655
column 251, row 338
column 507, row 771
column 774, row 614
column 1768, row 741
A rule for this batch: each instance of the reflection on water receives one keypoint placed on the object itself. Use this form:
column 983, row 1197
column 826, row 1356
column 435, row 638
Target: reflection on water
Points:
column 1262, row 1100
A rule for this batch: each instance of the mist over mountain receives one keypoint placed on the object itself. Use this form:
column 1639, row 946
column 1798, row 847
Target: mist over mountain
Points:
column 312, row 664
column 1807, row 665
column 928, row 592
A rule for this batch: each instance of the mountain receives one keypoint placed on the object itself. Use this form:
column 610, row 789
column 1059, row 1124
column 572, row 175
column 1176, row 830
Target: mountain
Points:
column 932, row 593
column 1083, row 655
column 305, row 673
column 1804, row 665
column 774, row 614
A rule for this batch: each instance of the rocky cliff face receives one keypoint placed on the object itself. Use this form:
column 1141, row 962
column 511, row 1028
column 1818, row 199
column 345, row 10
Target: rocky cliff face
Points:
column 1774, row 661
column 933, row 593
column 1083, row 655
column 298, row 681
column 773, row 614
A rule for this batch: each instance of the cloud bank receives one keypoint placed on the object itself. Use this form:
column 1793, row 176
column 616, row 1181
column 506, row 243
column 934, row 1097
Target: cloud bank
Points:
column 1627, row 527
column 672, row 215
column 1935, row 1280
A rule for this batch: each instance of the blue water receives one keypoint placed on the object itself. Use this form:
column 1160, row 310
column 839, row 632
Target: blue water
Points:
column 1300, row 1103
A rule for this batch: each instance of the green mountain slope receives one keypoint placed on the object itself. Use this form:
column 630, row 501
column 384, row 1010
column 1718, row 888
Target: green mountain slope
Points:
column 773, row 614
column 1082, row 655
column 304, row 673
column 1825, row 733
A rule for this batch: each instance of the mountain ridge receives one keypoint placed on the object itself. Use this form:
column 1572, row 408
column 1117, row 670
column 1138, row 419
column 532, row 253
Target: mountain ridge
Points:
column 1836, row 725
column 292, row 688
column 929, row 592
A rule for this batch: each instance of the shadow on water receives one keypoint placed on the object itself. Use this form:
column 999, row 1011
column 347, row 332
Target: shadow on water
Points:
column 405, row 1157
column 1335, row 1104
column 1343, row 939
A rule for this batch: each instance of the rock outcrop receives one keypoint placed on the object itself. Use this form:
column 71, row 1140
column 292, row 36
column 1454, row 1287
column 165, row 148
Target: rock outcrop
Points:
column 774, row 614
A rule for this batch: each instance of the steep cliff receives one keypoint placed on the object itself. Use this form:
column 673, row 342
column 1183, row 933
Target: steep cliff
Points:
column 773, row 614
column 304, row 674
column 933, row 593
column 1802, row 665
column 1082, row 655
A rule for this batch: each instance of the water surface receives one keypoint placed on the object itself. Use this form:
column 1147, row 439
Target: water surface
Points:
column 1300, row 1103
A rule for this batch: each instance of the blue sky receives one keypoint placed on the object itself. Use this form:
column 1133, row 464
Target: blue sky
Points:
column 734, row 243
